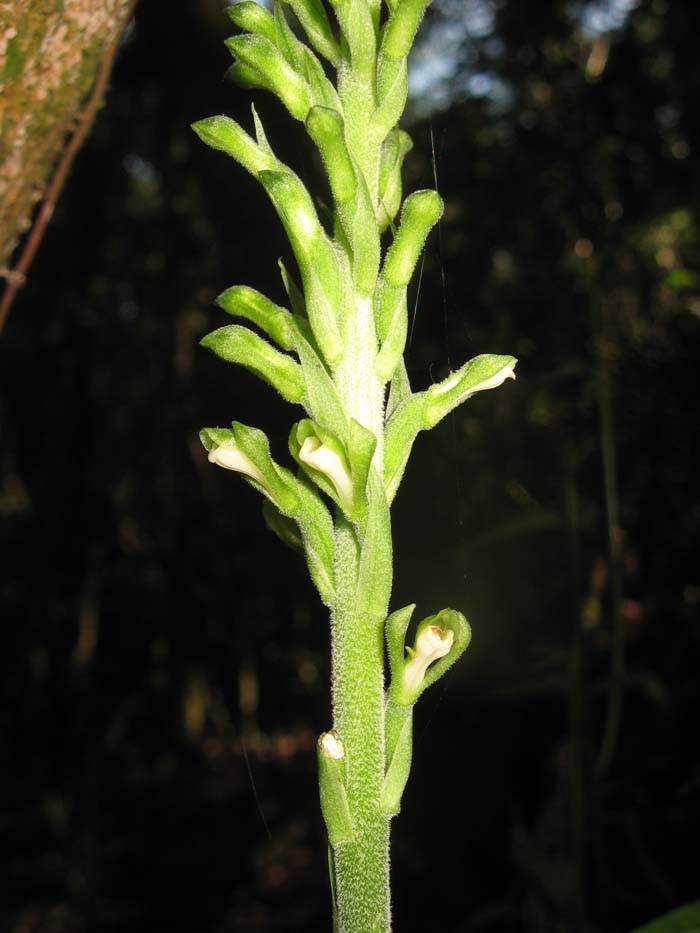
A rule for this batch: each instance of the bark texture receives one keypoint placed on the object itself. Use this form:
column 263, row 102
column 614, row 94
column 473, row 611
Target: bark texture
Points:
column 50, row 54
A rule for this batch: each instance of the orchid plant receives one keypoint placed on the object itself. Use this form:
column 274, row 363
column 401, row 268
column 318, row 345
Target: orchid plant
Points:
column 337, row 351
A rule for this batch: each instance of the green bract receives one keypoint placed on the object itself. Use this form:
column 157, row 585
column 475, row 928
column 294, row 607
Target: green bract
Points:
column 337, row 347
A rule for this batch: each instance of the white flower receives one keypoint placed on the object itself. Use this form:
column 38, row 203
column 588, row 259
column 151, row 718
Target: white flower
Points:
column 231, row 458
column 432, row 644
column 322, row 458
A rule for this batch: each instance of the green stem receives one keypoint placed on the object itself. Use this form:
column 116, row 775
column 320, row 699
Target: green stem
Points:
column 362, row 866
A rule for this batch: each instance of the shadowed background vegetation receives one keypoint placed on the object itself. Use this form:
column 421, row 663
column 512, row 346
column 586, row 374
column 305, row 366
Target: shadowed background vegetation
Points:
column 165, row 669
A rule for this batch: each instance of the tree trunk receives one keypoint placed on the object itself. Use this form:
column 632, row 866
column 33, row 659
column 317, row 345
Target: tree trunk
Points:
column 54, row 61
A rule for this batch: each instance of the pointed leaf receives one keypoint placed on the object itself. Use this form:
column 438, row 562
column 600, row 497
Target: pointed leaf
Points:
column 315, row 24
column 399, row 390
column 401, row 431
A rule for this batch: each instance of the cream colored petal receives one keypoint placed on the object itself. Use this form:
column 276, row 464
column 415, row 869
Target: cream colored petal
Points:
column 315, row 454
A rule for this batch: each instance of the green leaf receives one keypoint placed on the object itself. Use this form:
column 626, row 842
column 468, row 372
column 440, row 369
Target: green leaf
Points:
column 315, row 24
column 684, row 919
column 323, row 92
column 285, row 528
column 392, row 90
column 321, row 398
column 331, row 785
column 237, row 344
column 394, row 149
column 260, row 136
column 394, row 341
column 401, row 431
column 317, row 532
column 245, row 302
column 399, row 752
column 487, row 371
column 296, row 299
column 375, row 569
column 396, row 628
column 399, row 390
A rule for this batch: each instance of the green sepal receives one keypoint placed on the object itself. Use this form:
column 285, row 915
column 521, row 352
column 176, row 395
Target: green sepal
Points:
column 407, row 686
column 285, row 528
column 317, row 532
column 225, row 134
column 296, row 299
column 401, row 431
column 290, row 46
column 327, row 130
column 392, row 90
column 401, row 27
column 395, row 331
column 237, row 344
column 252, row 17
column 421, row 211
column 323, row 92
column 487, row 371
column 246, row 450
column 245, row 302
column 394, row 149
column 332, row 791
column 399, row 389
column 399, row 752
column 321, row 397
column 361, row 37
column 260, row 136
column 396, row 627
column 262, row 55
column 375, row 569
column 315, row 24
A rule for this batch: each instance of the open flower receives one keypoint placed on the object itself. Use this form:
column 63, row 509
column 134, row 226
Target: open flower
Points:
column 314, row 453
column 432, row 644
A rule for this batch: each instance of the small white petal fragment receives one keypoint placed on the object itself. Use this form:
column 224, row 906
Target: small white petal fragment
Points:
column 331, row 746
column 316, row 455
column 231, row 458
column 432, row 644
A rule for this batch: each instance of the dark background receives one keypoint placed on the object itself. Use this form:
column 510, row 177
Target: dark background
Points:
column 165, row 661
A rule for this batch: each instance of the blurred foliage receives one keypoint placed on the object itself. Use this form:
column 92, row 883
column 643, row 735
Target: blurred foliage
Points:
column 161, row 697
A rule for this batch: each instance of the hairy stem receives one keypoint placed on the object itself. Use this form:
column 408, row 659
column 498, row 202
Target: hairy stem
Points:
column 362, row 866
